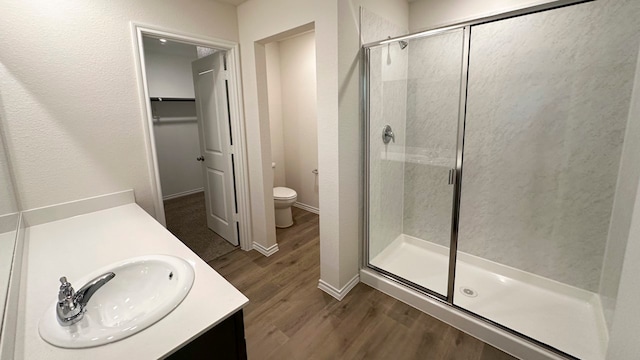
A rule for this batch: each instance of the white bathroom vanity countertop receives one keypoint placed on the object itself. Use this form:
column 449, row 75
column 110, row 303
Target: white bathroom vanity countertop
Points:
column 76, row 246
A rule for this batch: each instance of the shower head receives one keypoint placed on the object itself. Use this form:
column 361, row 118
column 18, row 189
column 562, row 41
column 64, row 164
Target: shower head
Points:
column 403, row 44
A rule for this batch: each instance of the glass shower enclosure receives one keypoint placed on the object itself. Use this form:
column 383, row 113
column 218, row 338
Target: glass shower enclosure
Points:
column 491, row 155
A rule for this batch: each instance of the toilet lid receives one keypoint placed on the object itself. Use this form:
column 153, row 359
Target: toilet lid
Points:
column 284, row 193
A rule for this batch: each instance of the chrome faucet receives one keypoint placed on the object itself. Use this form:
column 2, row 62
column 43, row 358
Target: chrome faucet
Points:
column 72, row 304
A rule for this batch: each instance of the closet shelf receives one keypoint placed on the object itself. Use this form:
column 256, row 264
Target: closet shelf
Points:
column 171, row 99
column 174, row 119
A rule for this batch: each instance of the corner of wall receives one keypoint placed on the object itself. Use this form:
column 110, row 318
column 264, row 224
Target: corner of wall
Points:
column 624, row 207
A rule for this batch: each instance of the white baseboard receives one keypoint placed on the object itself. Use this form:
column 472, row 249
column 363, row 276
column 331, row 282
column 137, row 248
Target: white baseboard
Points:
column 339, row 294
column 265, row 251
column 306, row 207
column 181, row 194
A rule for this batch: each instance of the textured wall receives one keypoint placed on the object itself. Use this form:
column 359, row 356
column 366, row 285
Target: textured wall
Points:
column 388, row 104
column 69, row 92
column 547, row 107
column 8, row 221
column 432, row 127
column 8, row 202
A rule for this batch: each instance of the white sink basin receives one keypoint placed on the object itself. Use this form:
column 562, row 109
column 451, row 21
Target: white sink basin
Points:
column 144, row 290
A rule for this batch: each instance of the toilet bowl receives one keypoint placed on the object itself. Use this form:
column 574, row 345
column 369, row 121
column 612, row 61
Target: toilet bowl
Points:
column 283, row 198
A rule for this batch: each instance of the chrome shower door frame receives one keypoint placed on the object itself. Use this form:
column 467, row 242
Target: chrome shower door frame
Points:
column 365, row 89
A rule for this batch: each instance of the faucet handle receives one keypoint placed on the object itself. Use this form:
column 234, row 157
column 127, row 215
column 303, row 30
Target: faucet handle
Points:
column 66, row 290
column 387, row 134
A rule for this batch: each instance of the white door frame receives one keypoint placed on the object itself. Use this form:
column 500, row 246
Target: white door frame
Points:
column 235, row 110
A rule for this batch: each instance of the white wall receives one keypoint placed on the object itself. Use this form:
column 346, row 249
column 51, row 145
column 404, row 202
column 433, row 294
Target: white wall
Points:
column 169, row 68
column 177, row 147
column 70, row 96
column 8, row 201
column 291, row 82
column 177, row 141
column 272, row 53
column 254, row 33
column 299, row 116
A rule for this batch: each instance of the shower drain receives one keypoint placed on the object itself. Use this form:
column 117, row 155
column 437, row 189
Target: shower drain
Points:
column 467, row 291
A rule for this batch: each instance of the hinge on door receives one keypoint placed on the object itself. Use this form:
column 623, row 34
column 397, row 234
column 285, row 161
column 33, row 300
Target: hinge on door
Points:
column 236, row 217
column 231, row 149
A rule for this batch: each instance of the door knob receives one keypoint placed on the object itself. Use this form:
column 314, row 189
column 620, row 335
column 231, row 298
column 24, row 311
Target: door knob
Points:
column 200, row 158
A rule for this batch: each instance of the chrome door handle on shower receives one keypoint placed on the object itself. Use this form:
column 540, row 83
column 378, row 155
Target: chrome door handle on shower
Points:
column 387, row 134
column 200, row 158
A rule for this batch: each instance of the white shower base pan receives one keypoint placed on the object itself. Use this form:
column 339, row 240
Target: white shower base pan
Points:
column 562, row 316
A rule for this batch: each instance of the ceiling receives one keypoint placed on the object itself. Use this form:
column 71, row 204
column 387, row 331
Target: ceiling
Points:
column 232, row 2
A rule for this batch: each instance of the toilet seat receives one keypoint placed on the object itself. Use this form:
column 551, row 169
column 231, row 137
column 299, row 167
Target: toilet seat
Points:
column 283, row 193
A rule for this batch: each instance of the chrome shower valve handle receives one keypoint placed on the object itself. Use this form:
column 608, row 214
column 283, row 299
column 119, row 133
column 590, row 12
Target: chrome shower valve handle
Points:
column 387, row 134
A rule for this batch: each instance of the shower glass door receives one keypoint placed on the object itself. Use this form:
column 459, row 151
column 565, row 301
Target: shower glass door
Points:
column 413, row 91
column 547, row 107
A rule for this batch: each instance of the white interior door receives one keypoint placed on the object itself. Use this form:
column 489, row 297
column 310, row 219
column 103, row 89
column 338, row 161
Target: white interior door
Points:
column 209, row 79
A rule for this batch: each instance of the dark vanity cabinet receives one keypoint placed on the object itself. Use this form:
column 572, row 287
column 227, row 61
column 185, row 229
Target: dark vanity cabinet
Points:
column 225, row 341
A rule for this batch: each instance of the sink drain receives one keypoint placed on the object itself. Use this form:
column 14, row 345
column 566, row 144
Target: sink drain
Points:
column 467, row 291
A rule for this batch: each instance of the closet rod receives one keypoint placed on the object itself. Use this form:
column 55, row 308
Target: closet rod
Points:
column 171, row 99
column 174, row 119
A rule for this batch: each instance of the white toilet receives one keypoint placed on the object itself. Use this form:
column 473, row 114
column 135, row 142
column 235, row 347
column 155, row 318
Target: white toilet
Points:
column 283, row 198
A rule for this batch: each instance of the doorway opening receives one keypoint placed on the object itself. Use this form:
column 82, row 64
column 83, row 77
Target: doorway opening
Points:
column 290, row 61
column 195, row 138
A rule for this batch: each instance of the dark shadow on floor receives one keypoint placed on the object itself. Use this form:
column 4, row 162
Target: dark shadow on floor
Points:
column 186, row 219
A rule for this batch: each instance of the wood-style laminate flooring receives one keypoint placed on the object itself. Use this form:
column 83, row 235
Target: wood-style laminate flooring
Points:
column 288, row 317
